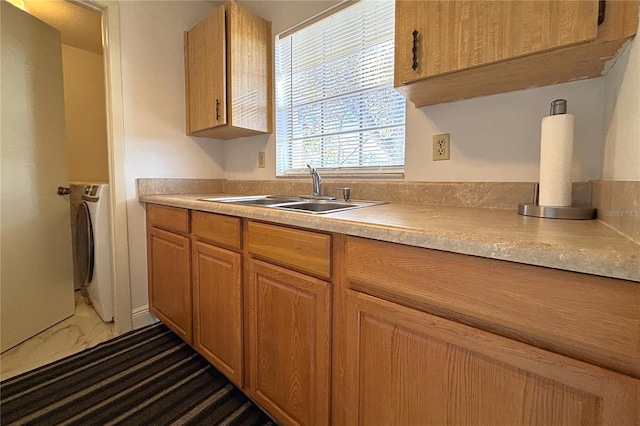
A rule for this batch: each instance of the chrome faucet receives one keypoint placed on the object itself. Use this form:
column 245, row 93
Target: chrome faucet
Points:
column 317, row 181
column 317, row 186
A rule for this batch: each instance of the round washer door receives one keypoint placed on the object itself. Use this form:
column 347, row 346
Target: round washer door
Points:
column 84, row 244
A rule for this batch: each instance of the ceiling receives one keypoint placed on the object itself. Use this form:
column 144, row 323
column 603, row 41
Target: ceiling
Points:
column 79, row 27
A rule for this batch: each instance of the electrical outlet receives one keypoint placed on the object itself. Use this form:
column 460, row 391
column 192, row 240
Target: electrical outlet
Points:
column 441, row 146
column 261, row 160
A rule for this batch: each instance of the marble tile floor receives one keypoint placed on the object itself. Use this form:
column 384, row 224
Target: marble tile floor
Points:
column 81, row 331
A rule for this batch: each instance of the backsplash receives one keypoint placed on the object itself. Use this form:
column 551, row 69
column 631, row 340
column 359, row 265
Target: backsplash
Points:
column 492, row 195
column 618, row 204
column 146, row 186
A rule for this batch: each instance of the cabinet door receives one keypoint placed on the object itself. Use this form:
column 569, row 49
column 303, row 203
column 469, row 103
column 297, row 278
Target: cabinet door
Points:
column 405, row 367
column 456, row 35
column 205, row 69
column 250, row 64
column 217, row 308
column 170, row 280
column 289, row 344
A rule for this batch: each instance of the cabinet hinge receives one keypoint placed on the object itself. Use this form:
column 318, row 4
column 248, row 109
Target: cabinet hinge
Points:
column 602, row 6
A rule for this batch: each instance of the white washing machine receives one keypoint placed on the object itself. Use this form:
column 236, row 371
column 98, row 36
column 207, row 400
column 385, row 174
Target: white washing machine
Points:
column 93, row 248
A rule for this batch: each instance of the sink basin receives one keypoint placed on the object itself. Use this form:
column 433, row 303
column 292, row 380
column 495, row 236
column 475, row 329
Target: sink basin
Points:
column 319, row 207
column 294, row 204
column 258, row 200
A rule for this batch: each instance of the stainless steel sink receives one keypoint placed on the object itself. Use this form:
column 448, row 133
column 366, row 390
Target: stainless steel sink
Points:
column 295, row 204
column 318, row 207
column 324, row 206
column 257, row 200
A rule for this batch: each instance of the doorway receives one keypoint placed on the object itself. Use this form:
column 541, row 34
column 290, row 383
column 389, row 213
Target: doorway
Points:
column 85, row 115
column 108, row 162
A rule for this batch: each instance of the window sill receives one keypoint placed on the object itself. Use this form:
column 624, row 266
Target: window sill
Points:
column 393, row 174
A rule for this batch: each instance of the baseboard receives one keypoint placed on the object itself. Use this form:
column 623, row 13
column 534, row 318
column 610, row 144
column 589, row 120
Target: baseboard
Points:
column 141, row 317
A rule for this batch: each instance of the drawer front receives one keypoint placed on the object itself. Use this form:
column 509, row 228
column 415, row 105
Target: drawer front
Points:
column 592, row 318
column 305, row 251
column 169, row 218
column 220, row 229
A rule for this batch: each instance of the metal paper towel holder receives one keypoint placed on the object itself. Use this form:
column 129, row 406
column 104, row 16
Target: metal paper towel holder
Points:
column 553, row 212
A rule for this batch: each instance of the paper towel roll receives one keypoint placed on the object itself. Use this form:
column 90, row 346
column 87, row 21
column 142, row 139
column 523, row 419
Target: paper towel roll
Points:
column 556, row 157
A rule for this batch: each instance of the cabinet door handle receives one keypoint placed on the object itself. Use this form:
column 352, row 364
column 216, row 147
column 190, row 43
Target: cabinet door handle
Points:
column 414, row 64
column 602, row 7
column 217, row 109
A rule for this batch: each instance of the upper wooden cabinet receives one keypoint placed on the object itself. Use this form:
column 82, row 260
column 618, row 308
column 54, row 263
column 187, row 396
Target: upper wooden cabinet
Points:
column 449, row 50
column 229, row 75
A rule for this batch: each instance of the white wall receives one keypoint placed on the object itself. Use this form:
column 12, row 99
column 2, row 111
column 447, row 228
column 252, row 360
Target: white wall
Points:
column 493, row 138
column 622, row 117
column 497, row 138
column 154, row 113
column 85, row 115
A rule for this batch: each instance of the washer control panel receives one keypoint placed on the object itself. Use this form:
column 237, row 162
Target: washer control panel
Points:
column 91, row 193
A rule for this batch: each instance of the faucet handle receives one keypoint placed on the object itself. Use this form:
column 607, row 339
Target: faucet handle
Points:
column 346, row 193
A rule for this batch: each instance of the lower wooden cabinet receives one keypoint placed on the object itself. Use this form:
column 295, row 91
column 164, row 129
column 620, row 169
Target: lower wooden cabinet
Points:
column 385, row 334
column 169, row 269
column 289, row 344
column 406, row 367
column 217, row 308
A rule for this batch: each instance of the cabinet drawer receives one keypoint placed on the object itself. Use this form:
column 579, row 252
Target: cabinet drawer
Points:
column 302, row 250
column 592, row 318
column 224, row 230
column 169, row 218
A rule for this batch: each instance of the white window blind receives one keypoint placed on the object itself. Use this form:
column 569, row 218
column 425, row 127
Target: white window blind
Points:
column 335, row 103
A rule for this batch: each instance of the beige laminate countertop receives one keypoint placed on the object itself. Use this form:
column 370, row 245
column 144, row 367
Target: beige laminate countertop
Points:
column 573, row 245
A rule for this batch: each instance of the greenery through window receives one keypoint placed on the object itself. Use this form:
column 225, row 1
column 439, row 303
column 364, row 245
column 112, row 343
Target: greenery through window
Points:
column 335, row 103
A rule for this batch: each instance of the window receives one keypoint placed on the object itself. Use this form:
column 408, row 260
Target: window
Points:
column 335, row 103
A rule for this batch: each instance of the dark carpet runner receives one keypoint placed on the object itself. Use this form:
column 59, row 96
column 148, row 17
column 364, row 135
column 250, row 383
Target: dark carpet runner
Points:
column 146, row 377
